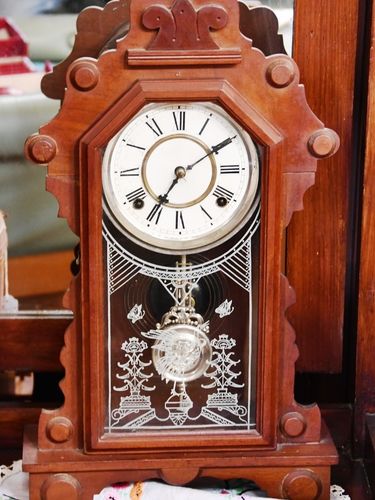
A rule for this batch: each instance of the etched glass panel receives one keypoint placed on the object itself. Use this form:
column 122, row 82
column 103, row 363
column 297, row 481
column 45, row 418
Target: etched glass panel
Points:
column 182, row 326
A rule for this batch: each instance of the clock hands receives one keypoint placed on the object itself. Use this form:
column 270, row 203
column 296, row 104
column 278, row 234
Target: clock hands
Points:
column 180, row 172
column 214, row 149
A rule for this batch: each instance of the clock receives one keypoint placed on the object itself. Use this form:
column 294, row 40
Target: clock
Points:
column 179, row 156
column 181, row 177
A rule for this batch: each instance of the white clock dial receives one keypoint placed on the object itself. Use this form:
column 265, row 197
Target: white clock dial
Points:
column 180, row 177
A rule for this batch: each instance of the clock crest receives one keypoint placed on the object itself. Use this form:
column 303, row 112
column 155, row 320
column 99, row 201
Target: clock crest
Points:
column 182, row 27
column 179, row 157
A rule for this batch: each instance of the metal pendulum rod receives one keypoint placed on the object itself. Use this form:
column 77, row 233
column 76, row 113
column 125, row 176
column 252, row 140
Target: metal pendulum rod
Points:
column 187, row 301
column 181, row 289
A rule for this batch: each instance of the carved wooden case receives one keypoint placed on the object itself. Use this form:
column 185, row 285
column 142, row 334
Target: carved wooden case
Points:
column 175, row 52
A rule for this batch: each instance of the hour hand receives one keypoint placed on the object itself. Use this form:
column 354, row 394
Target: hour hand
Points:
column 163, row 198
column 179, row 172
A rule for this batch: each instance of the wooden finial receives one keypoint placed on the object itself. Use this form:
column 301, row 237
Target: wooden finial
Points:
column 40, row 148
column 323, row 143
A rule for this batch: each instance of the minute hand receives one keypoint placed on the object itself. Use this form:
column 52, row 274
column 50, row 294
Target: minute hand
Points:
column 214, row 149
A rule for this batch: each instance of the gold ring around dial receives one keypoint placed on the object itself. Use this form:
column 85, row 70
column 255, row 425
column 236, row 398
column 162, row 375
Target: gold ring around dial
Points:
column 205, row 148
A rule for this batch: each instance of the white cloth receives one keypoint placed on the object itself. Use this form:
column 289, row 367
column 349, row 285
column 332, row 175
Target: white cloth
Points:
column 152, row 490
column 14, row 484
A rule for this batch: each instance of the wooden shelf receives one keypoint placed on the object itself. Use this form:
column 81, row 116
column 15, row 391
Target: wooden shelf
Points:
column 42, row 329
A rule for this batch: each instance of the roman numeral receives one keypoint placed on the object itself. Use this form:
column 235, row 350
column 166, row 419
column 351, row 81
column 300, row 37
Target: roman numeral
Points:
column 130, row 172
column 204, row 125
column 136, row 194
column 229, row 169
column 155, row 127
column 134, row 146
column 179, row 119
column 156, row 211
column 179, row 220
column 225, row 193
column 205, row 211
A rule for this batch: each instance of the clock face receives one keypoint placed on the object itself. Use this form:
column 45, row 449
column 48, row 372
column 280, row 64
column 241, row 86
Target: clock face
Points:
column 180, row 177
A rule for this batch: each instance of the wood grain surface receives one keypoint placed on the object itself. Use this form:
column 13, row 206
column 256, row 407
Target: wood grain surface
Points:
column 325, row 44
column 365, row 368
column 32, row 343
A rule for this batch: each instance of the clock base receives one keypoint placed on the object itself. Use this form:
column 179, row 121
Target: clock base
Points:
column 294, row 471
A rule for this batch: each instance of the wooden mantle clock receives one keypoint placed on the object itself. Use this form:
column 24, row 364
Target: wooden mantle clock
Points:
column 179, row 156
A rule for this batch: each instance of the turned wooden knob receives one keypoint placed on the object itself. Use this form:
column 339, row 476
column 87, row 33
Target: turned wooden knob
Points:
column 301, row 485
column 281, row 73
column 324, row 143
column 59, row 430
column 40, row 148
column 293, row 424
column 61, row 487
column 84, row 75
column 179, row 477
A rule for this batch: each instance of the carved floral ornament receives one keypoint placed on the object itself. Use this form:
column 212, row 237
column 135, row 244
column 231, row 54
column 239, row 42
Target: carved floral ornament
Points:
column 185, row 33
column 184, row 27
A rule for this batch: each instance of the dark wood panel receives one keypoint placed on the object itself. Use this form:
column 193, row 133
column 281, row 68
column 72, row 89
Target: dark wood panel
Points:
column 365, row 369
column 325, row 43
column 12, row 421
column 350, row 474
column 369, row 458
column 32, row 343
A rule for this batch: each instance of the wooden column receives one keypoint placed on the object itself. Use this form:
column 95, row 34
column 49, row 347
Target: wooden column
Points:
column 365, row 370
column 325, row 45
